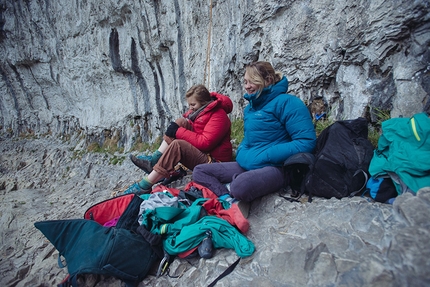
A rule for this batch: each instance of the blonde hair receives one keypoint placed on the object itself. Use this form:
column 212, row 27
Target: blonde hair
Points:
column 201, row 94
column 262, row 74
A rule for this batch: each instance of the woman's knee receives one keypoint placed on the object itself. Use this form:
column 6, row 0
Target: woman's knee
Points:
column 223, row 172
column 253, row 184
column 242, row 187
column 198, row 172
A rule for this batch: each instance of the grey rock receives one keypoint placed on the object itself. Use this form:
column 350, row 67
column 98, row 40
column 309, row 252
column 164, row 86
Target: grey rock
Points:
column 329, row 242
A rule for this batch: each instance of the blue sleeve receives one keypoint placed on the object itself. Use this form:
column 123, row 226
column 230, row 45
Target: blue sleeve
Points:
column 297, row 121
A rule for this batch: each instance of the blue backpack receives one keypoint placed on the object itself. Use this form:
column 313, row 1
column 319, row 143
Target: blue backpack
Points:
column 381, row 189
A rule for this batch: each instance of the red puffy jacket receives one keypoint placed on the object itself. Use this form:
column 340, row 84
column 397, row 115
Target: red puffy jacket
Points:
column 211, row 129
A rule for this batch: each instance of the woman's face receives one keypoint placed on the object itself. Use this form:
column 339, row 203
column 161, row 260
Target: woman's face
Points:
column 249, row 86
column 193, row 104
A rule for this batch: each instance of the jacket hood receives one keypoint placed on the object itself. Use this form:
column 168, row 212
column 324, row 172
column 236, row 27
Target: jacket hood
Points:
column 223, row 101
column 219, row 101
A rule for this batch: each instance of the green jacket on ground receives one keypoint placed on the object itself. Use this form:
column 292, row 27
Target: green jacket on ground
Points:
column 403, row 152
column 184, row 228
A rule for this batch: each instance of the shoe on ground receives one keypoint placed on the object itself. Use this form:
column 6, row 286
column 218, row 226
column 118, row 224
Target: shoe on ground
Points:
column 178, row 174
column 244, row 207
column 145, row 157
column 143, row 162
column 136, row 189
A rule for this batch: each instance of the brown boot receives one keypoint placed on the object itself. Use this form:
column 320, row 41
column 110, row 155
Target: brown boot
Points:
column 143, row 164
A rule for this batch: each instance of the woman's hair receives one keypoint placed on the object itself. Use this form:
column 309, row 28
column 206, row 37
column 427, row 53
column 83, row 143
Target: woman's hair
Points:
column 262, row 74
column 200, row 92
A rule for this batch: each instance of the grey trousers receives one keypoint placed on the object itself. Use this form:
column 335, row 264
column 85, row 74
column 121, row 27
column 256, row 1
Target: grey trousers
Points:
column 244, row 185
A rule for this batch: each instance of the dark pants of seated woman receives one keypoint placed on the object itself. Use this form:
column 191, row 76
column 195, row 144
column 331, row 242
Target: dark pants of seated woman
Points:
column 244, row 185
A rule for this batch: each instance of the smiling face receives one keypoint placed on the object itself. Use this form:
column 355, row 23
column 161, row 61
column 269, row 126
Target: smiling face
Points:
column 197, row 96
column 193, row 104
column 259, row 75
column 249, row 85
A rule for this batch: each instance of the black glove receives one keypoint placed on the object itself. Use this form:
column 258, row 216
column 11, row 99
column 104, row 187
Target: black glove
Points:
column 172, row 129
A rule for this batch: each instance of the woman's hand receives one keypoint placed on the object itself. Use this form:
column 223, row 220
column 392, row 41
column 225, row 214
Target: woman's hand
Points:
column 172, row 129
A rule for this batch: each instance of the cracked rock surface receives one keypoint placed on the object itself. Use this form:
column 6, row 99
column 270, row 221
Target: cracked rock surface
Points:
column 348, row 242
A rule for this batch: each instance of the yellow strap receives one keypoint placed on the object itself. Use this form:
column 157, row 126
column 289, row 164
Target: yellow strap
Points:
column 414, row 129
column 163, row 229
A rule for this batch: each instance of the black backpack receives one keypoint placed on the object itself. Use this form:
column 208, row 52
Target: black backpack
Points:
column 340, row 164
column 342, row 157
column 296, row 168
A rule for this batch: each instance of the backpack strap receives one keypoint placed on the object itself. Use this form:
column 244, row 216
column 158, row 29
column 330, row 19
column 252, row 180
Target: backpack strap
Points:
column 305, row 159
column 60, row 263
column 311, row 170
column 225, row 273
column 290, row 198
column 366, row 178
column 69, row 281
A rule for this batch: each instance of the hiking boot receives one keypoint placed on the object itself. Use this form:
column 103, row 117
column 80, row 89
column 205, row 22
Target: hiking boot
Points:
column 178, row 174
column 135, row 188
column 143, row 162
column 244, row 207
column 145, row 157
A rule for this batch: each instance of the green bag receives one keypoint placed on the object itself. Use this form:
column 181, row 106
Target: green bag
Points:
column 90, row 248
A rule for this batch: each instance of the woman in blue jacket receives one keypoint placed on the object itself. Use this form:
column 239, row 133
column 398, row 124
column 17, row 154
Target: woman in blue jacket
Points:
column 276, row 126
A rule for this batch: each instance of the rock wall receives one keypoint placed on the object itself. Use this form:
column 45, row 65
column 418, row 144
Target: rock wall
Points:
column 121, row 68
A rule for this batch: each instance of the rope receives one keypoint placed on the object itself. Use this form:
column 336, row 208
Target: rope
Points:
column 208, row 63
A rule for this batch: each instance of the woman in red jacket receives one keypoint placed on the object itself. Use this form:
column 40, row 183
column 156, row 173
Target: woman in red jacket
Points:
column 201, row 136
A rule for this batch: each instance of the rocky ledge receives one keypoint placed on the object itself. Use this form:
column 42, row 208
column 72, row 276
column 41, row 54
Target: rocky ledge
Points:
column 348, row 242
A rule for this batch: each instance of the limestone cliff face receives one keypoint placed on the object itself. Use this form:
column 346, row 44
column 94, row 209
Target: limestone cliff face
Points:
column 121, row 68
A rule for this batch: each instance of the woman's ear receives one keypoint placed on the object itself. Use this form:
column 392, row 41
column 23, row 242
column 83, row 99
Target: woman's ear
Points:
column 268, row 81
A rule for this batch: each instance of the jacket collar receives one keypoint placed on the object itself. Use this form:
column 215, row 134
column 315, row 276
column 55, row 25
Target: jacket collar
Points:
column 268, row 93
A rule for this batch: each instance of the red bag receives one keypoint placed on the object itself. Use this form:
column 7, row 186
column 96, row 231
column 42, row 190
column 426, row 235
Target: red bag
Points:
column 109, row 209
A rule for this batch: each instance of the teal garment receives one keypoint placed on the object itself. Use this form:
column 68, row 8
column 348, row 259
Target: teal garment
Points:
column 224, row 235
column 404, row 149
column 162, row 220
column 184, row 228
column 276, row 126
